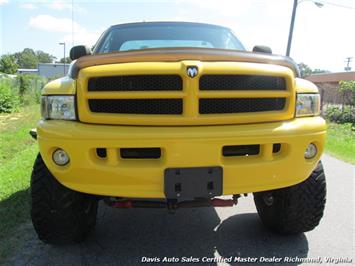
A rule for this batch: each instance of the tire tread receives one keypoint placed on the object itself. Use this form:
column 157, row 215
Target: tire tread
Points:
column 296, row 209
column 59, row 215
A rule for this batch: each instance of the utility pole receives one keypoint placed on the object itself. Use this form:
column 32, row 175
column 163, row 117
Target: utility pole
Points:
column 295, row 2
column 63, row 43
column 292, row 24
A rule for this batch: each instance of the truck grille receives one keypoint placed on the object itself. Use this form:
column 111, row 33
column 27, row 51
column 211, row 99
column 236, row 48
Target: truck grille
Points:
column 137, row 106
column 221, row 93
column 245, row 105
column 136, row 83
column 241, row 82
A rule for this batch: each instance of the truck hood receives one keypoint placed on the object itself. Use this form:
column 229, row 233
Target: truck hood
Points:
column 179, row 54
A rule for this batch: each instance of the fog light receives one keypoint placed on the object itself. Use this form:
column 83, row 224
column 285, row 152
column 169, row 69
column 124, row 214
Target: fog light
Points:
column 311, row 151
column 60, row 157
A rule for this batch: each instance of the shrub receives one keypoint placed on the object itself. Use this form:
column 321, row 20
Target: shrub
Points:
column 22, row 90
column 341, row 116
column 9, row 100
column 24, row 83
column 30, row 88
column 347, row 88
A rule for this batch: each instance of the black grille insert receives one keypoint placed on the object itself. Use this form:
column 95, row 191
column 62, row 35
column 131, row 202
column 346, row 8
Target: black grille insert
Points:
column 136, row 83
column 137, row 106
column 140, row 153
column 276, row 147
column 240, row 150
column 242, row 82
column 101, row 152
column 240, row 105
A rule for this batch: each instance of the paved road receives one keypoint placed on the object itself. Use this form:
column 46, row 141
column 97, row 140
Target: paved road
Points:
column 123, row 237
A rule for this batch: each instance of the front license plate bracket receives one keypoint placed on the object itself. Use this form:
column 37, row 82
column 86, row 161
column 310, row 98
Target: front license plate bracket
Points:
column 194, row 182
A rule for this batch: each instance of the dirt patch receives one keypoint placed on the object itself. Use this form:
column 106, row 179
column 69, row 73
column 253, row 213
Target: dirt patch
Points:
column 7, row 119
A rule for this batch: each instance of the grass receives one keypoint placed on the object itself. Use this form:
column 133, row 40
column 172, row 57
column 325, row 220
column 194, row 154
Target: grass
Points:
column 17, row 153
column 341, row 142
column 14, row 130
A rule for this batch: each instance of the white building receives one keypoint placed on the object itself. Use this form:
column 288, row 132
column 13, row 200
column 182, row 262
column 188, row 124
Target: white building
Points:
column 27, row 71
column 47, row 70
column 50, row 70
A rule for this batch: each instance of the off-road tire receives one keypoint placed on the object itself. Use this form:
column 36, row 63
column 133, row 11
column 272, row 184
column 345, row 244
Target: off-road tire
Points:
column 59, row 215
column 294, row 209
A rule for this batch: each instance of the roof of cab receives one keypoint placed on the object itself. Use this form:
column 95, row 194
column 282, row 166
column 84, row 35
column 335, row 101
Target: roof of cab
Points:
column 167, row 23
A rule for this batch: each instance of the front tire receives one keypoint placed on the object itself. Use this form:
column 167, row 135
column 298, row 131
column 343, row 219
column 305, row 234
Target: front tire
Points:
column 294, row 209
column 59, row 215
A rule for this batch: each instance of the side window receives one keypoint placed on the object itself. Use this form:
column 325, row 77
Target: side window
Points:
column 107, row 45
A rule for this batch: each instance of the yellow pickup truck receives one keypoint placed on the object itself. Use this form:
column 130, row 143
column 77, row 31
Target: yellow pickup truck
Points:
column 174, row 115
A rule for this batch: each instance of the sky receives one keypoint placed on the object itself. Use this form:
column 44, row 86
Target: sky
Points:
column 323, row 37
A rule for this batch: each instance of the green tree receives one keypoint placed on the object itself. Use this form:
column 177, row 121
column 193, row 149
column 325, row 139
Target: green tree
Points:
column 67, row 60
column 319, row 71
column 8, row 64
column 347, row 88
column 307, row 71
column 44, row 57
column 26, row 59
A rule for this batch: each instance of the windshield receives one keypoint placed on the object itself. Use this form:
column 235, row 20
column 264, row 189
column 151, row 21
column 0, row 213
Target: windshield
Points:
column 166, row 35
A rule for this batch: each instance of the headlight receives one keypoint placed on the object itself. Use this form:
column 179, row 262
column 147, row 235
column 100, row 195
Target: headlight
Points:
column 308, row 104
column 58, row 107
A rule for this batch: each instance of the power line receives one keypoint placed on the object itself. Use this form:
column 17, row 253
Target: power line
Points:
column 334, row 4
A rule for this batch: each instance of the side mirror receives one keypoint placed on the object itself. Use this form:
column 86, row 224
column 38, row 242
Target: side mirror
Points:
column 262, row 49
column 79, row 51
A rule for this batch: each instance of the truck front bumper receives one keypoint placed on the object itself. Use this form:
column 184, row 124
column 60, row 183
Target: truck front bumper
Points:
column 198, row 146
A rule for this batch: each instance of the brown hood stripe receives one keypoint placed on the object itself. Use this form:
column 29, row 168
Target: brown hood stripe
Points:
column 179, row 54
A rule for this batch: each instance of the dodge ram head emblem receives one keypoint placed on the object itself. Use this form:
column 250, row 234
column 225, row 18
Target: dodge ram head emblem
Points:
column 192, row 71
